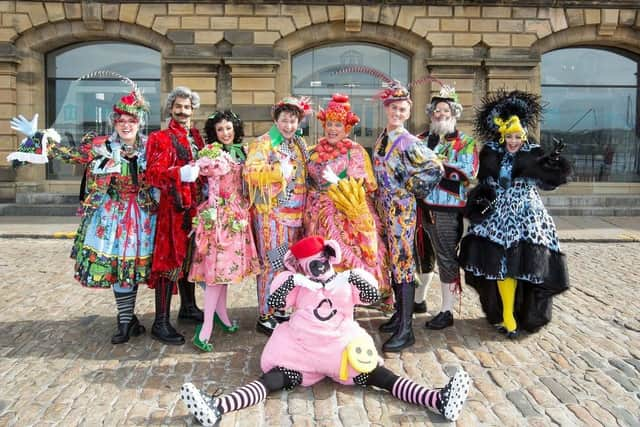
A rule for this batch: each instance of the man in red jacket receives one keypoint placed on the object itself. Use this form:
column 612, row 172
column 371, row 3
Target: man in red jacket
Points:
column 171, row 168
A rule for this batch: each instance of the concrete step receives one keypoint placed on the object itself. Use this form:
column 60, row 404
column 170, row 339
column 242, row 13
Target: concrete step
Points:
column 15, row 209
column 591, row 200
column 594, row 211
column 24, row 198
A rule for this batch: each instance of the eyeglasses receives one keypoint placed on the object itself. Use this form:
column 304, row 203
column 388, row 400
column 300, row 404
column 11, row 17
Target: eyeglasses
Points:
column 123, row 122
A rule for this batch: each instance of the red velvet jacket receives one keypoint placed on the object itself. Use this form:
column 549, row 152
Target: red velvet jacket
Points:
column 167, row 151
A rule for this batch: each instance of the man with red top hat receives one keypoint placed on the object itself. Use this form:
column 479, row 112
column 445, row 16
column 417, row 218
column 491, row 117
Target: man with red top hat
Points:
column 171, row 168
column 322, row 340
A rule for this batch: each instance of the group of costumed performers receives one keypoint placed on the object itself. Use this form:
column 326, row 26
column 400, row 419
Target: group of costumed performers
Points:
column 114, row 242
column 275, row 172
column 440, row 214
column 340, row 196
column 224, row 250
column 215, row 214
column 322, row 340
column 511, row 254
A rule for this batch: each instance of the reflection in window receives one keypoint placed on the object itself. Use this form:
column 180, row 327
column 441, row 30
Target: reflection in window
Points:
column 77, row 107
column 592, row 97
column 314, row 74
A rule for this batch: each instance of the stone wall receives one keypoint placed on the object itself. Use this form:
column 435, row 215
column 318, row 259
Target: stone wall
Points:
column 239, row 54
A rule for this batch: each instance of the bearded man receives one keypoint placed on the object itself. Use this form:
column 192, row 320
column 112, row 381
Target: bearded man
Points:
column 441, row 210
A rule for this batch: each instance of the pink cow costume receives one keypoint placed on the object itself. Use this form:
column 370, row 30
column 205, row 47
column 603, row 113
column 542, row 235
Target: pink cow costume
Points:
column 322, row 339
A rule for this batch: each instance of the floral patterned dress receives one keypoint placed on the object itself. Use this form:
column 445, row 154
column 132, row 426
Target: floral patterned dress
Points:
column 114, row 242
column 361, row 246
column 225, row 250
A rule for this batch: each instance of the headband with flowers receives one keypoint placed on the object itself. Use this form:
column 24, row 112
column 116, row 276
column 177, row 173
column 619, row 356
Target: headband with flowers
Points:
column 302, row 104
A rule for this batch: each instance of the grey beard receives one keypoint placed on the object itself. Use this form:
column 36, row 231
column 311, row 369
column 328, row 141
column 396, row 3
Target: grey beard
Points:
column 443, row 127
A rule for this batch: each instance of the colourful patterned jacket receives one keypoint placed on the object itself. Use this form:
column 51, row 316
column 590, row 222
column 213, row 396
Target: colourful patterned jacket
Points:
column 459, row 154
column 270, row 192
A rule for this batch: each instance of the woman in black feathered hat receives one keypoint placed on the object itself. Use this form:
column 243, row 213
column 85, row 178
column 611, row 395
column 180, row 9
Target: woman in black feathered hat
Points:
column 511, row 253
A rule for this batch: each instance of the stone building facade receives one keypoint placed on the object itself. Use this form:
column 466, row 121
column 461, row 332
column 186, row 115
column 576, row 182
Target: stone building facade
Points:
column 240, row 54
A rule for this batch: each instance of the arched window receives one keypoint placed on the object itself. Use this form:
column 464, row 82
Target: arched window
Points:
column 592, row 97
column 314, row 74
column 77, row 107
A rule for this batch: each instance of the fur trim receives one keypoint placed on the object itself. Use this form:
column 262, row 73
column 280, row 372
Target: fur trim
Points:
column 535, row 164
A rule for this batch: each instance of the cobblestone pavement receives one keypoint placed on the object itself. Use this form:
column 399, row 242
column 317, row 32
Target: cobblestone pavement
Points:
column 58, row 367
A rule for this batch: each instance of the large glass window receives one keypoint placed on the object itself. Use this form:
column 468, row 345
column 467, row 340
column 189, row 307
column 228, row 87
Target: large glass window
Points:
column 77, row 107
column 314, row 73
column 592, row 97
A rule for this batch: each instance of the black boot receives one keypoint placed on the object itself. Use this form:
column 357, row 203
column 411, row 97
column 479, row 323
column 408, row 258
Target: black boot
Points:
column 127, row 330
column 393, row 323
column 188, row 308
column 403, row 337
column 162, row 329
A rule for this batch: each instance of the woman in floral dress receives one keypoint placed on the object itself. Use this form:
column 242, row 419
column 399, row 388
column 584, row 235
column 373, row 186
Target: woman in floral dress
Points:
column 114, row 242
column 225, row 250
column 357, row 232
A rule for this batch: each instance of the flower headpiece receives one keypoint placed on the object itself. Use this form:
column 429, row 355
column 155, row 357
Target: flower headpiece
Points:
column 133, row 104
column 447, row 94
column 302, row 104
column 338, row 110
column 395, row 92
column 497, row 112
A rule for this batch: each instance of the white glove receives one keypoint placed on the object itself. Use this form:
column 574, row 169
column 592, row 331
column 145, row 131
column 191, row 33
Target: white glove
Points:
column 286, row 168
column 189, row 173
column 21, row 124
column 330, row 176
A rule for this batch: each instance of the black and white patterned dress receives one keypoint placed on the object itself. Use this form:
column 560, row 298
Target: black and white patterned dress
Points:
column 516, row 237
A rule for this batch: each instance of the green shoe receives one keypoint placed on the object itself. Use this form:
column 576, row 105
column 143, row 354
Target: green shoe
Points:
column 202, row 345
column 228, row 329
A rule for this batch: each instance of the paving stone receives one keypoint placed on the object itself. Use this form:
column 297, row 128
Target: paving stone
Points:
column 559, row 391
column 523, row 404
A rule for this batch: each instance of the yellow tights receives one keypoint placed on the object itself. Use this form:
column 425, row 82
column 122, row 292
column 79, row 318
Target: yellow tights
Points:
column 507, row 289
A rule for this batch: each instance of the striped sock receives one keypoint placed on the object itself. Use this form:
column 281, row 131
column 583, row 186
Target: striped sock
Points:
column 247, row 395
column 125, row 303
column 408, row 391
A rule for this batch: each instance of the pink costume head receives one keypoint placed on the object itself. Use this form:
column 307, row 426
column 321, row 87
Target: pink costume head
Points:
column 314, row 256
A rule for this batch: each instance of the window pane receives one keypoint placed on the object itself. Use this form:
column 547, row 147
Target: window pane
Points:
column 599, row 125
column 584, row 66
column 77, row 107
column 314, row 73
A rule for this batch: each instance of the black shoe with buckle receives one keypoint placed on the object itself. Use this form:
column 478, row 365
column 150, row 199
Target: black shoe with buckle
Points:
column 266, row 324
column 442, row 320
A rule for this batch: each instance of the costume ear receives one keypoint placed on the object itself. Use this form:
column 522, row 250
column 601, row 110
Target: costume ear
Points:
column 332, row 251
column 290, row 262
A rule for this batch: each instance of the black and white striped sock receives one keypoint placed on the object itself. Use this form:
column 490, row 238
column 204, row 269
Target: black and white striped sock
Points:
column 125, row 301
column 247, row 395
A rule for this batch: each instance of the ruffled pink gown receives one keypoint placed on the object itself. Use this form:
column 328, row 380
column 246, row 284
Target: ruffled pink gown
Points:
column 225, row 250
column 361, row 248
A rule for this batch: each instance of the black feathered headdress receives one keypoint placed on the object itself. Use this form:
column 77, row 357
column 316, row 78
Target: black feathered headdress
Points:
column 503, row 105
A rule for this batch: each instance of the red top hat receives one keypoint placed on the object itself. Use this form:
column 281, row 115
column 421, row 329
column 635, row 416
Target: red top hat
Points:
column 307, row 247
